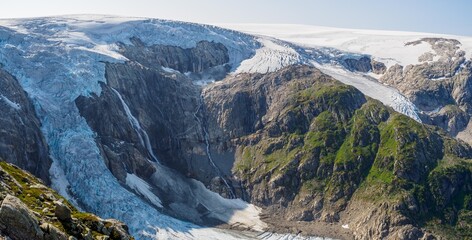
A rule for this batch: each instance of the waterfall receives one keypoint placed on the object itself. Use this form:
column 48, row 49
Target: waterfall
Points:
column 208, row 152
column 143, row 136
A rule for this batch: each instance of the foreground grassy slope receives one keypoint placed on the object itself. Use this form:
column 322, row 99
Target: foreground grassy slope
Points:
column 42, row 201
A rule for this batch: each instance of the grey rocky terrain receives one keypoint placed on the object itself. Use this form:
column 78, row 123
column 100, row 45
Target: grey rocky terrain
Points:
column 439, row 86
column 21, row 139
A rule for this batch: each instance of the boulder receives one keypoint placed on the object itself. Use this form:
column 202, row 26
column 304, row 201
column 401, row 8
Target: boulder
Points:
column 62, row 212
column 17, row 221
column 52, row 233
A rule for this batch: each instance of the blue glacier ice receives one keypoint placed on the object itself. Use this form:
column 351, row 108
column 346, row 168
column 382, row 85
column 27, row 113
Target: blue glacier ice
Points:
column 58, row 59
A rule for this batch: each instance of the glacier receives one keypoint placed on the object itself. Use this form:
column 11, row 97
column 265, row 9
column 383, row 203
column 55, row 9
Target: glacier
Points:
column 62, row 58
column 385, row 46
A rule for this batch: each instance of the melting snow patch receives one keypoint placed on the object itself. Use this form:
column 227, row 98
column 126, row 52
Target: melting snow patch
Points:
column 10, row 103
column 169, row 70
column 142, row 187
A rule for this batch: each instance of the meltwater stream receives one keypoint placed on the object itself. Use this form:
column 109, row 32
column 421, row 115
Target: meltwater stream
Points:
column 143, row 136
column 207, row 147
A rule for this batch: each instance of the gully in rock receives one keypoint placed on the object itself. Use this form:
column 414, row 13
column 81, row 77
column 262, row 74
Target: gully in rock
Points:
column 202, row 122
column 143, row 136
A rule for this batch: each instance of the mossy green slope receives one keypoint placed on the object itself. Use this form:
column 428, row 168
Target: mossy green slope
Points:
column 336, row 147
column 40, row 200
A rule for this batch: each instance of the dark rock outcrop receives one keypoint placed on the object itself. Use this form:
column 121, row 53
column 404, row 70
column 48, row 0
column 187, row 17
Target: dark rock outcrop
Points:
column 203, row 57
column 364, row 64
column 146, row 115
column 119, row 142
column 21, row 140
column 166, row 104
column 378, row 67
column 62, row 212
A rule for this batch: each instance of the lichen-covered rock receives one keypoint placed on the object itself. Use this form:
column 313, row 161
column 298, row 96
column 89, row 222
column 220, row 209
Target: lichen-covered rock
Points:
column 17, row 221
column 62, row 212
column 52, row 233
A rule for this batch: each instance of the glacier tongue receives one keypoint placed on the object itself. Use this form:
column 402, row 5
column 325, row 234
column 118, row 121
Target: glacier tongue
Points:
column 272, row 56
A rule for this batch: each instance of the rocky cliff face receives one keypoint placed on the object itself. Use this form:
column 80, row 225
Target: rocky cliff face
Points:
column 21, row 140
column 364, row 64
column 167, row 106
column 30, row 210
column 205, row 60
column 439, row 86
column 311, row 149
column 150, row 123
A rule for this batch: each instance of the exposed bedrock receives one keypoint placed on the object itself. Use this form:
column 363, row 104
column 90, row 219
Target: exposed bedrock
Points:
column 151, row 123
column 440, row 85
column 364, row 64
column 21, row 140
column 167, row 105
column 308, row 148
column 205, row 60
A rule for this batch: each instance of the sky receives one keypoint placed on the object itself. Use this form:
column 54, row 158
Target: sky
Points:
column 432, row 16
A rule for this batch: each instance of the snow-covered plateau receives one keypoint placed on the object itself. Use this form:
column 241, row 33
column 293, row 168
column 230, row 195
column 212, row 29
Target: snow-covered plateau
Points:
column 61, row 58
column 385, row 46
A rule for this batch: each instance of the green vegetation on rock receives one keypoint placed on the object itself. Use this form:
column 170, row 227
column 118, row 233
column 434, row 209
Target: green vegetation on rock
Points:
column 344, row 148
column 43, row 203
